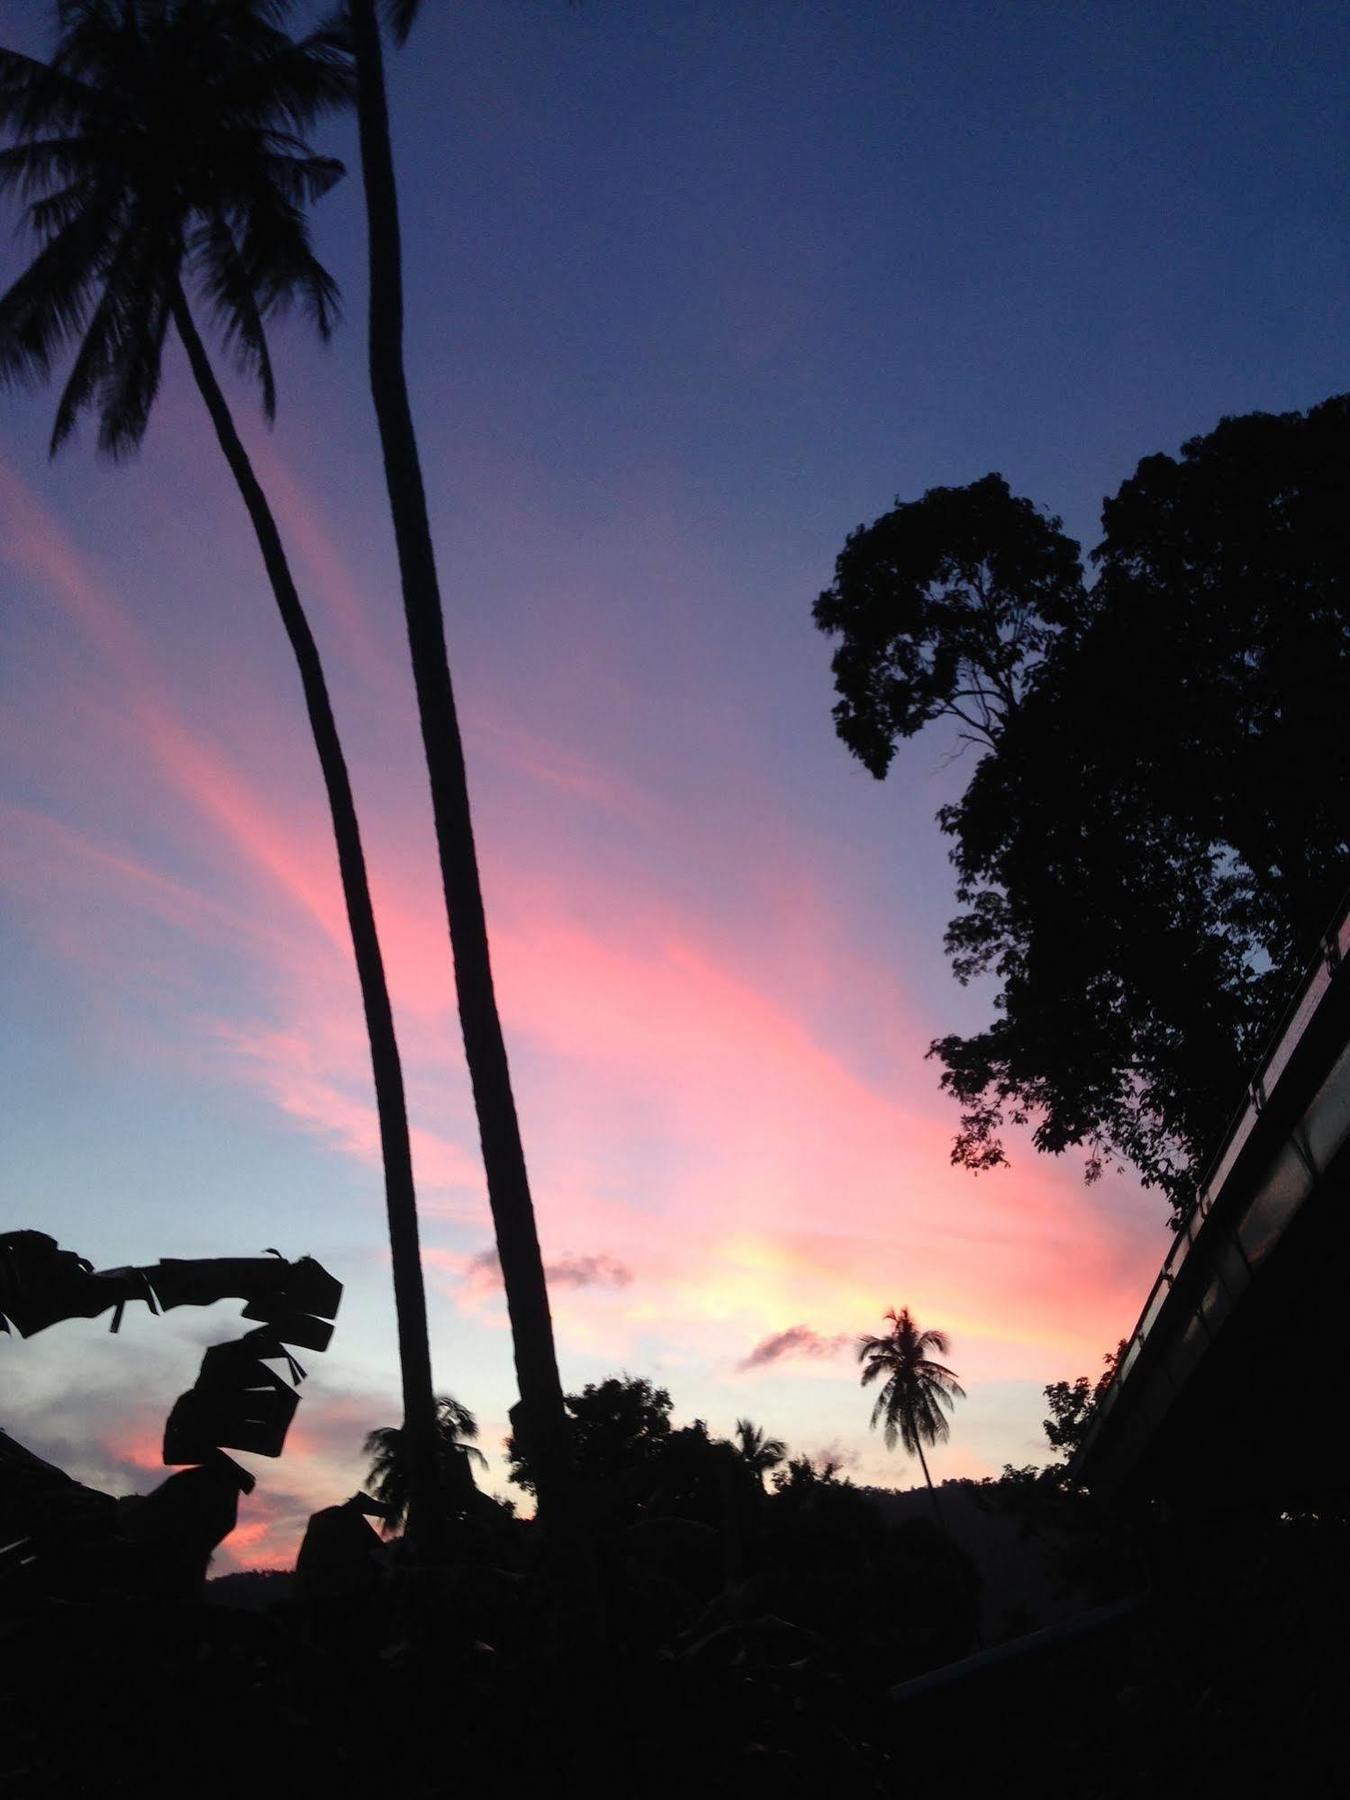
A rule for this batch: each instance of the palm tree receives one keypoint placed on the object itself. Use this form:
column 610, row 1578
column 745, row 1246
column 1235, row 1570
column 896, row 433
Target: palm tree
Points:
column 388, row 1476
column 508, row 1185
column 762, row 1453
column 161, row 156
column 916, row 1390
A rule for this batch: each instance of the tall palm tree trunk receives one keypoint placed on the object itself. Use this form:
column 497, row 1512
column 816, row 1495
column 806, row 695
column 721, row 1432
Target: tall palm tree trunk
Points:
column 508, row 1186
column 419, row 1403
column 932, row 1491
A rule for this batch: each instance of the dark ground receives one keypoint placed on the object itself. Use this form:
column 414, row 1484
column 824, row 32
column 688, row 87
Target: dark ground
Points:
column 1229, row 1678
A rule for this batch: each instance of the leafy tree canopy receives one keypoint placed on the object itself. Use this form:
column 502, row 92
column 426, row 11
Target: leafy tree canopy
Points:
column 696, row 1475
column 618, row 1428
column 943, row 606
column 1156, row 830
column 801, row 1475
column 1072, row 1404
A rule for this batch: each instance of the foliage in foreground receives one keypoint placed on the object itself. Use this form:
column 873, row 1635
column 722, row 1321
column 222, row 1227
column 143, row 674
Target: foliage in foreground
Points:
column 1072, row 1404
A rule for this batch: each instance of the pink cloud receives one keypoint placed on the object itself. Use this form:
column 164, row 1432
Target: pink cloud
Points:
column 478, row 1277
column 314, row 1063
column 292, row 857
column 268, row 1536
column 322, row 567
column 50, row 858
column 715, row 1084
column 796, row 1340
column 36, row 545
column 138, row 1450
column 294, row 1068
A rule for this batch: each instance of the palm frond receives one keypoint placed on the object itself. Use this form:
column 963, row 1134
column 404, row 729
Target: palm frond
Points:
column 162, row 143
column 53, row 212
column 387, row 1476
column 301, row 179
column 281, row 263
column 131, row 386
column 215, row 258
column 46, row 308
column 918, row 1394
column 92, row 363
column 35, row 97
column 401, row 16
column 299, row 82
column 118, row 364
column 30, row 168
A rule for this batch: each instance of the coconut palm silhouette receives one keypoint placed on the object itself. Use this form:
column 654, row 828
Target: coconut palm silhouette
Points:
column 162, row 156
column 761, row 1452
column 542, row 1412
column 917, row 1393
column 388, row 1475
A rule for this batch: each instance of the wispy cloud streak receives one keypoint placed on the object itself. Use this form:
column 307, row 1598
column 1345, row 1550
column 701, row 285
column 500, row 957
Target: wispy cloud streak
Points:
column 797, row 1340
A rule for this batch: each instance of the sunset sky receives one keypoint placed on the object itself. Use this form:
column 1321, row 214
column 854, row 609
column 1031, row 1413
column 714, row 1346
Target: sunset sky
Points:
column 693, row 290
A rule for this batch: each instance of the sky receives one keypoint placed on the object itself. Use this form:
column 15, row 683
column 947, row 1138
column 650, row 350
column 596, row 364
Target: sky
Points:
column 693, row 290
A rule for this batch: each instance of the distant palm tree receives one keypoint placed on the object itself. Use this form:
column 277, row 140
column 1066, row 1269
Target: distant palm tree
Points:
column 916, row 1390
column 161, row 156
column 387, row 1477
column 760, row 1452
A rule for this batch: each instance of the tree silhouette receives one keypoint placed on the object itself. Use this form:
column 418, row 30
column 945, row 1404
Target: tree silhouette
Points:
column 916, row 1394
column 1154, row 832
column 944, row 606
column 1073, row 1403
column 617, row 1429
column 388, row 1475
column 762, row 1453
column 162, row 157
column 485, row 1048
